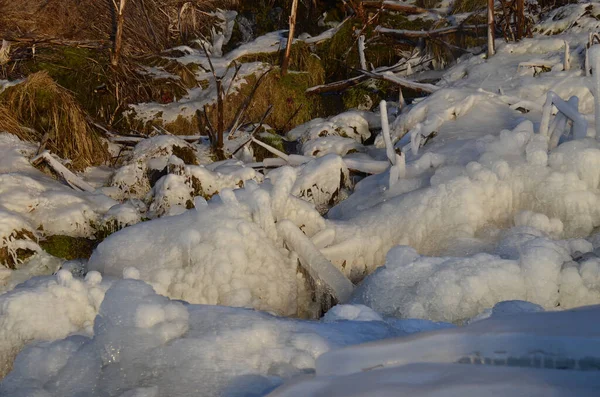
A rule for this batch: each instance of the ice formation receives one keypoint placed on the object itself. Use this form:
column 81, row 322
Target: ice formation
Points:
column 478, row 221
column 146, row 344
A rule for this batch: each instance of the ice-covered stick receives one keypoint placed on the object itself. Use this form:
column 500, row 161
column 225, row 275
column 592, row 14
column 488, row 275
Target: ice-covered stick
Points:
column 567, row 60
column 315, row 263
column 560, row 122
column 361, row 52
column 546, row 114
column 557, row 128
column 594, row 56
column 580, row 124
column 385, row 131
column 271, row 149
column 73, row 180
column 586, row 63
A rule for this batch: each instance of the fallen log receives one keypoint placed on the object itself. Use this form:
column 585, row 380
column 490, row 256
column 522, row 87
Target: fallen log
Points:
column 337, row 85
column 341, row 85
column 417, row 34
column 72, row 180
column 389, row 76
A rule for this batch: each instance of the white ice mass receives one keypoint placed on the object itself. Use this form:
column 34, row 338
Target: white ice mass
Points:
column 448, row 248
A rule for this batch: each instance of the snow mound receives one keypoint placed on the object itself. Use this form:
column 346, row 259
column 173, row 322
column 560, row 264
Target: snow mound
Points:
column 41, row 201
column 353, row 124
column 226, row 252
column 47, row 308
column 538, row 270
column 144, row 343
column 514, row 180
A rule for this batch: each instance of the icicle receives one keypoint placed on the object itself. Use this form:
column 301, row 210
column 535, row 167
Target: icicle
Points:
column 401, row 101
column 567, row 60
column 415, row 138
column 262, row 214
column 283, row 180
column 385, row 131
column 594, row 55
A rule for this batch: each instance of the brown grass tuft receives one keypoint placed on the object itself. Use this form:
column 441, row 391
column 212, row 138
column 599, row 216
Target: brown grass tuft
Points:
column 44, row 106
column 150, row 25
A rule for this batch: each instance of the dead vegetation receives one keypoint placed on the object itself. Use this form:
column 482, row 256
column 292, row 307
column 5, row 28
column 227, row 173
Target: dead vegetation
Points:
column 150, row 25
column 44, row 107
column 11, row 257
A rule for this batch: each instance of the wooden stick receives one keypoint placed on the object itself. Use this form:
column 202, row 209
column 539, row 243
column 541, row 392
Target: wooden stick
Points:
column 255, row 130
column 271, row 149
column 490, row 28
column 72, row 180
column 288, row 48
column 430, row 88
column 292, row 116
column 414, row 34
column 520, row 19
column 242, row 109
column 118, row 43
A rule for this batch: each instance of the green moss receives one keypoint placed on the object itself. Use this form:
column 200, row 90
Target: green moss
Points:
column 186, row 154
column 274, row 140
column 428, row 3
column 395, row 20
column 339, row 55
column 67, row 247
column 80, row 70
column 373, row 92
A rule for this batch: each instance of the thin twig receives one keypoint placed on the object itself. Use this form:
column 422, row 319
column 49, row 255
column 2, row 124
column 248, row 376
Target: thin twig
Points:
column 255, row 130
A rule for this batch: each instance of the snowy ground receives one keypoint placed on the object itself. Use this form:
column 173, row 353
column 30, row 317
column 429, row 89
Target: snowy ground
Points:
column 479, row 245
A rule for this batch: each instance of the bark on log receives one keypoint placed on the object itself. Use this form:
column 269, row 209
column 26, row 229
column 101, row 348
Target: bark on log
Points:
column 72, row 180
column 118, row 43
column 417, row 34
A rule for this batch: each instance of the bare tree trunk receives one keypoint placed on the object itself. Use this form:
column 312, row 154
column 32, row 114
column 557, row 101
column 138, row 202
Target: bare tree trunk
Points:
column 118, row 41
column 520, row 19
column 491, row 26
column 288, row 48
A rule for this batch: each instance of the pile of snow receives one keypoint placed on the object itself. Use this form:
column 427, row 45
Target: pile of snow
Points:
column 338, row 134
column 44, row 203
column 47, row 308
column 144, row 344
column 178, row 183
column 225, row 252
column 324, row 182
column 455, row 289
column 513, row 172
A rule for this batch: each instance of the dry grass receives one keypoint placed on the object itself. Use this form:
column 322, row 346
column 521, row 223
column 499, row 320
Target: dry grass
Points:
column 41, row 104
column 8, row 123
column 462, row 6
column 150, row 25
